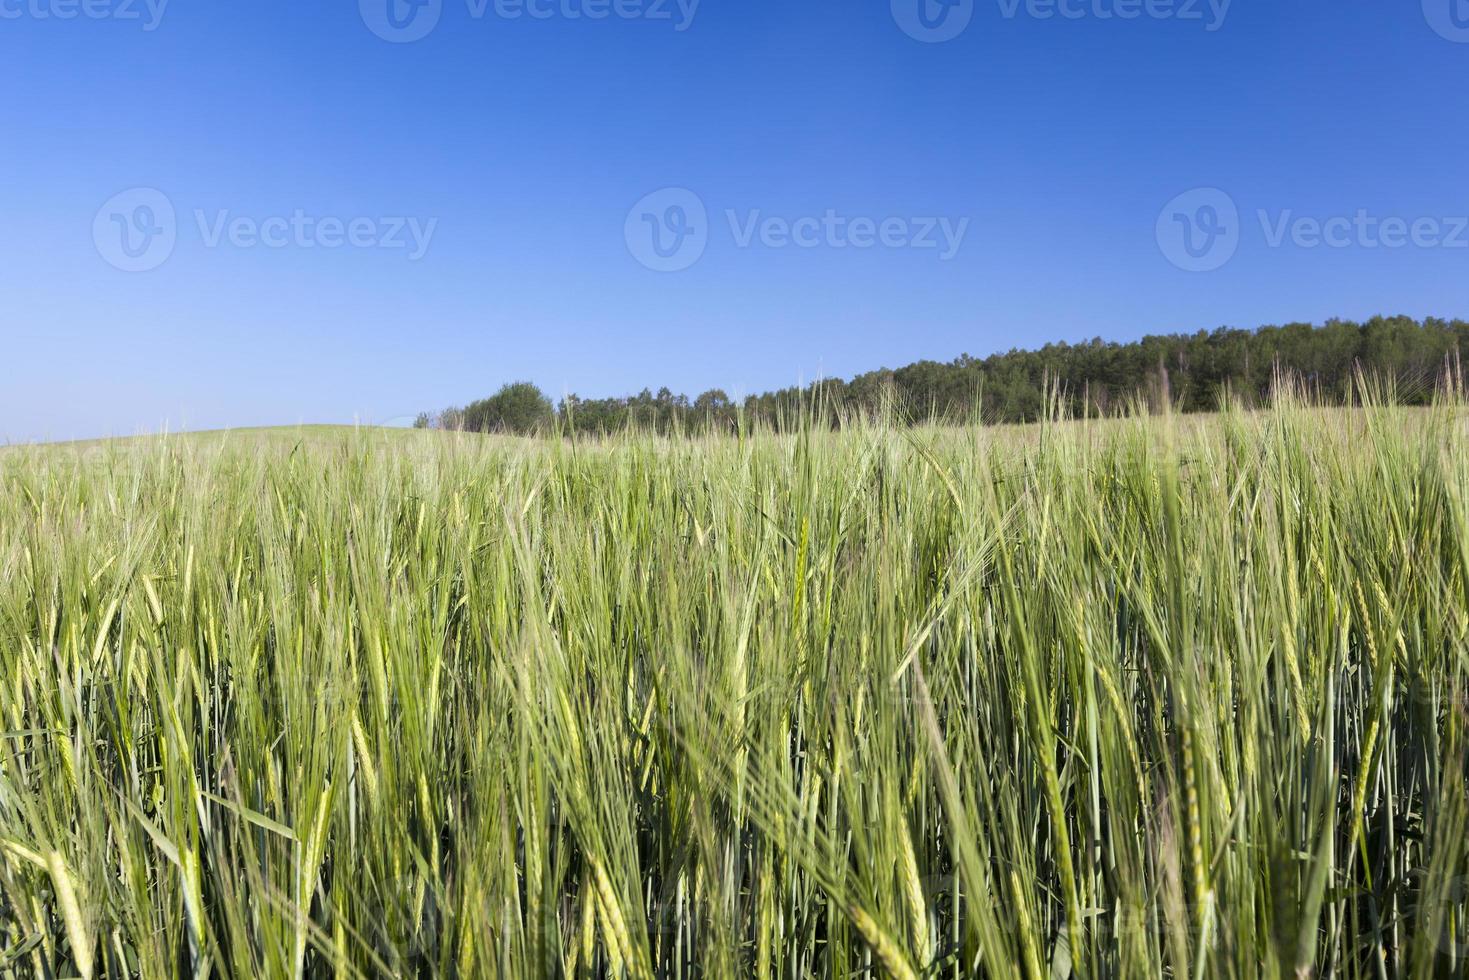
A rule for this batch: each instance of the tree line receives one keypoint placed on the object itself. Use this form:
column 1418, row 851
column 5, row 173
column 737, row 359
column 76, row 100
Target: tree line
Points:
column 1194, row 372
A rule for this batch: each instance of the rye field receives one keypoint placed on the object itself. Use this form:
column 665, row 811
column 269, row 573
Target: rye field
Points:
column 1153, row 697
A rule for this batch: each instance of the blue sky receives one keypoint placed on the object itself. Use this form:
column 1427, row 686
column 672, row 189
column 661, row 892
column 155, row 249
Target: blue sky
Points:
column 818, row 149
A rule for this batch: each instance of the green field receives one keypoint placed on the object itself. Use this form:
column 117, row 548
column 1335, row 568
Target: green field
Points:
column 1167, row 696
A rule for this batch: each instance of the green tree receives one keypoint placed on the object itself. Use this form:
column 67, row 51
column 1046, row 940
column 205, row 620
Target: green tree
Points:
column 1196, row 372
column 519, row 408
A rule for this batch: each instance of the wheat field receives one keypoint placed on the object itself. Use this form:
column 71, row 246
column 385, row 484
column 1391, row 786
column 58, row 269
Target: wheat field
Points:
column 1155, row 696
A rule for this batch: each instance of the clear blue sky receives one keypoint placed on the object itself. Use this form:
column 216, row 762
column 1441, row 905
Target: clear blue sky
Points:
column 530, row 140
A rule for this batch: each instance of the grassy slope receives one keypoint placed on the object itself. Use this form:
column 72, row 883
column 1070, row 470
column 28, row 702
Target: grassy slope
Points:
column 1153, row 697
column 268, row 434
